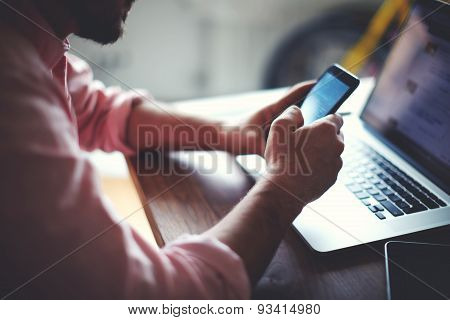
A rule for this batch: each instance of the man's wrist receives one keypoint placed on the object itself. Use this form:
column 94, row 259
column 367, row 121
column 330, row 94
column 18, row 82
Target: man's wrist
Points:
column 239, row 140
column 285, row 204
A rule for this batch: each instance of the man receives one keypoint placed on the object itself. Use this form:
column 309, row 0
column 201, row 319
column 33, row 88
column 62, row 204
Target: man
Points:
column 60, row 238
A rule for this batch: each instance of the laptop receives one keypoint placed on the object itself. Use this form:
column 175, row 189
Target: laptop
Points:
column 396, row 174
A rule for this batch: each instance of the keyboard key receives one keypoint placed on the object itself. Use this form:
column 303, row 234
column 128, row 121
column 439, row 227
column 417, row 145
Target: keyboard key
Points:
column 408, row 185
column 366, row 186
column 403, row 193
column 382, row 176
column 419, row 194
column 374, row 180
column 425, row 190
column 395, row 176
column 361, row 170
column 379, row 197
column 394, row 197
column 412, row 201
column 391, row 208
column 401, row 181
column 373, row 191
column 372, row 208
column 430, row 203
column 386, row 167
column 359, row 180
column 434, row 197
column 380, row 186
column 377, row 171
column 354, row 188
column 415, row 208
column 379, row 208
column 402, row 204
column 387, row 192
column 361, row 195
column 380, row 215
column 366, row 202
column 368, row 175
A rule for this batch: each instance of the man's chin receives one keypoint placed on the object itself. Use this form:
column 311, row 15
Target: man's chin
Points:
column 102, row 36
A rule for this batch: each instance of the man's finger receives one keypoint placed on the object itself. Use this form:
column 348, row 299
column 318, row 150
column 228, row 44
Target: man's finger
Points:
column 292, row 117
column 336, row 120
column 285, row 124
column 296, row 94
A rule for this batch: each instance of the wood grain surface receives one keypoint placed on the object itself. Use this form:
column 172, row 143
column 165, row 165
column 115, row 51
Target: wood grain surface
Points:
column 181, row 195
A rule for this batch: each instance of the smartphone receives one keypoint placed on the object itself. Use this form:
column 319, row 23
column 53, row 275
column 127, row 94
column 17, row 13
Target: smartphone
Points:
column 417, row 270
column 331, row 90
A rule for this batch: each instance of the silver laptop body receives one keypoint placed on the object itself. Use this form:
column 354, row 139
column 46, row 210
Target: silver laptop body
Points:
column 396, row 175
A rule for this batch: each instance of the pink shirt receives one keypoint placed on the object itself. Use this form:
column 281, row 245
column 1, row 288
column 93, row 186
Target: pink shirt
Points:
column 51, row 203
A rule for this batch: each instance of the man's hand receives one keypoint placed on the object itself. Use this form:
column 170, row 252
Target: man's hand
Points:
column 189, row 132
column 303, row 161
column 249, row 136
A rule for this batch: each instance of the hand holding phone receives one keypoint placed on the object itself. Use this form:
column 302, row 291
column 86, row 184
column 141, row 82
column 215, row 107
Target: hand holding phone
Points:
column 327, row 95
column 331, row 90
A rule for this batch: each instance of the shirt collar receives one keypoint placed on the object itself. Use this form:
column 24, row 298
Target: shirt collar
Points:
column 27, row 20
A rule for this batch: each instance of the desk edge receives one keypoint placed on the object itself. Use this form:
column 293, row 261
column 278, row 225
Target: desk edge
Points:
column 148, row 212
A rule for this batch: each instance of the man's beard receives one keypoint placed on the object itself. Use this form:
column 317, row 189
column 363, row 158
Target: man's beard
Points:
column 102, row 25
column 103, row 31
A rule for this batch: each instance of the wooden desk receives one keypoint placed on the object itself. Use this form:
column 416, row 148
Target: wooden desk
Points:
column 192, row 201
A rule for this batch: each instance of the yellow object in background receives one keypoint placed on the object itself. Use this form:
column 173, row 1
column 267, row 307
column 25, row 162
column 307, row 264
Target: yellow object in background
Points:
column 357, row 57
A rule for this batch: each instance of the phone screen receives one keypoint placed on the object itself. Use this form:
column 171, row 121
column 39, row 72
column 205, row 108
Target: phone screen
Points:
column 325, row 97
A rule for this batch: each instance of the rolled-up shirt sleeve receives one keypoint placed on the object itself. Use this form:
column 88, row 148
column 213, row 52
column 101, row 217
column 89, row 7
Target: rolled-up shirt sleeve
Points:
column 102, row 113
column 60, row 238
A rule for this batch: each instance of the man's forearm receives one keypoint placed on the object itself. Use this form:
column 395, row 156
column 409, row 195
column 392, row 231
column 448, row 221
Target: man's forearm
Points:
column 256, row 226
column 153, row 128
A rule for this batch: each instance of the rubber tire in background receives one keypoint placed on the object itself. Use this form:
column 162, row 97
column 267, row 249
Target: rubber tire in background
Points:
column 311, row 48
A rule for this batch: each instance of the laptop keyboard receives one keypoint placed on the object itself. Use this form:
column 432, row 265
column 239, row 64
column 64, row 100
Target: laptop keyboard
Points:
column 382, row 187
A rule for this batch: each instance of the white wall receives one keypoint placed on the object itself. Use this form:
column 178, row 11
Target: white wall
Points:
column 180, row 49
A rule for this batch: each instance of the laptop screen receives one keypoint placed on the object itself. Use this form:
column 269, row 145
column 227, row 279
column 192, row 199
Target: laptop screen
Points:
column 410, row 106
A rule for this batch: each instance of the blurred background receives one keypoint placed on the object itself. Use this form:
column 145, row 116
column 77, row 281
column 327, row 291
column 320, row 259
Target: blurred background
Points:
column 183, row 49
